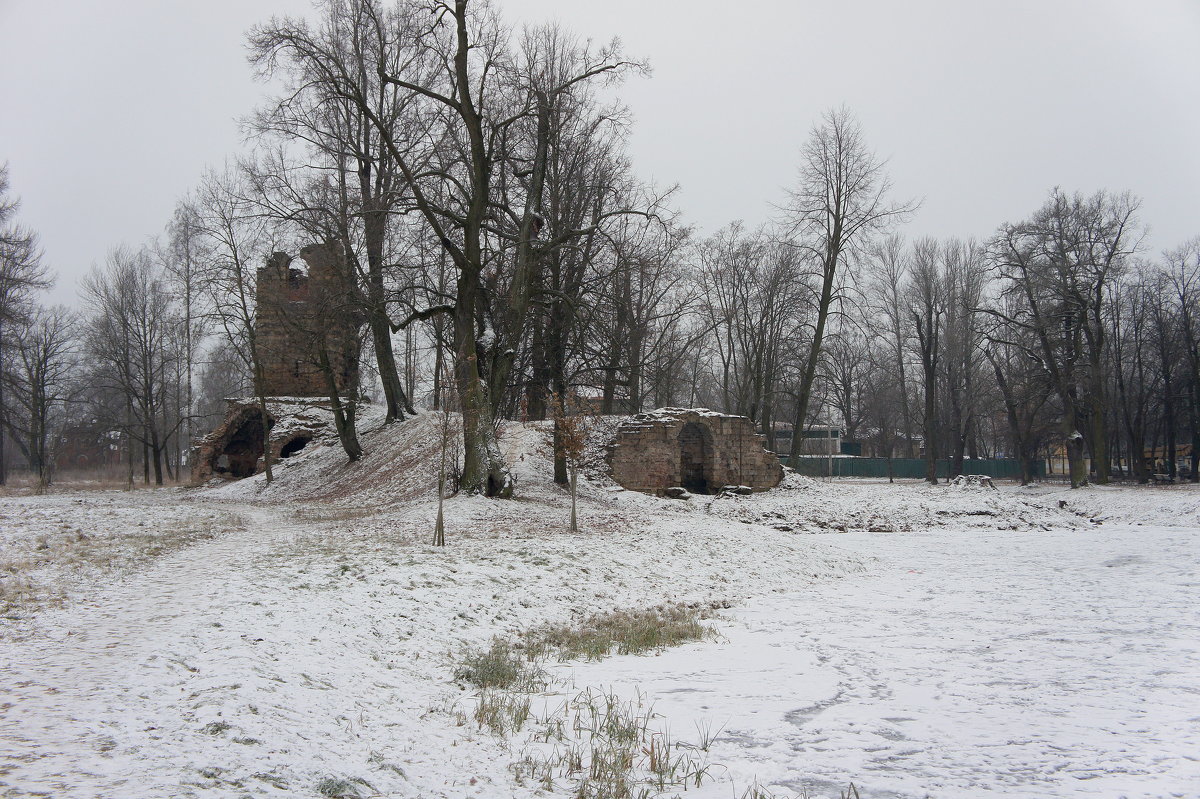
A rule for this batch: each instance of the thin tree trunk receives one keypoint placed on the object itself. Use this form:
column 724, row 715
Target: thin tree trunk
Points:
column 343, row 413
column 808, row 376
column 931, row 448
column 574, row 495
column 396, row 399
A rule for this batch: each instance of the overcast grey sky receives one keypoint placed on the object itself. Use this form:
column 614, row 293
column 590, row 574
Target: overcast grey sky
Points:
column 111, row 109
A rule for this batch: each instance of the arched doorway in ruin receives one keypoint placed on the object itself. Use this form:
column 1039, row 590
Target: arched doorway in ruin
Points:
column 695, row 458
column 238, row 458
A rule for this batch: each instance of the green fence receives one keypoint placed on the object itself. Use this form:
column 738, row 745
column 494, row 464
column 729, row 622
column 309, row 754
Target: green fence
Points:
column 816, row 466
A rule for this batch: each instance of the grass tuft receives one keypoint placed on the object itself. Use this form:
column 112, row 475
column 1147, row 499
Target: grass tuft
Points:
column 605, row 747
column 501, row 666
column 338, row 788
column 215, row 727
column 625, row 632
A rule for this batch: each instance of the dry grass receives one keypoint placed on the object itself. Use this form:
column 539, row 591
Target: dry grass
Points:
column 339, row 788
column 36, row 570
column 75, row 480
column 605, row 747
column 601, row 746
column 608, row 748
column 501, row 666
column 318, row 514
column 622, row 632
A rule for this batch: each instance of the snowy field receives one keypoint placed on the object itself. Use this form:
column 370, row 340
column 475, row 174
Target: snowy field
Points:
column 301, row 639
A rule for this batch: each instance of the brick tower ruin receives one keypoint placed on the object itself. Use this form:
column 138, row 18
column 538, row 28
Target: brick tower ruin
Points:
column 298, row 316
column 303, row 320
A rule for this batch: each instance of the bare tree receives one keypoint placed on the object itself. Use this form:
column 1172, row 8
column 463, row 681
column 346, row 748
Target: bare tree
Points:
column 130, row 343
column 927, row 309
column 1183, row 271
column 839, row 202
column 887, row 298
column 341, row 139
column 637, row 330
column 1132, row 366
column 964, row 275
column 221, row 374
column 845, row 370
column 1012, row 353
column 22, row 273
column 455, row 72
column 1062, row 262
column 178, row 256
column 448, row 463
column 232, row 247
column 753, row 290
column 44, row 380
column 573, row 419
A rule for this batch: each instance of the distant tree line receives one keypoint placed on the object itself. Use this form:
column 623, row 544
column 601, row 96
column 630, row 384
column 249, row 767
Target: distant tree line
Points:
column 495, row 236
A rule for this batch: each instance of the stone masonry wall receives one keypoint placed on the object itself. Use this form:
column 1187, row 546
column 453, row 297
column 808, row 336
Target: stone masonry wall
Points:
column 646, row 453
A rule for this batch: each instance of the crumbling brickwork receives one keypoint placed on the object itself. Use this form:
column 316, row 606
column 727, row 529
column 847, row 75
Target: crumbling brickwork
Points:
column 234, row 449
column 695, row 448
column 301, row 316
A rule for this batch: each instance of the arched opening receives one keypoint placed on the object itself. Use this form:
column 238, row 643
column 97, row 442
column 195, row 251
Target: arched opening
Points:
column 295, row 445
column 239, row 457
column 695, row 458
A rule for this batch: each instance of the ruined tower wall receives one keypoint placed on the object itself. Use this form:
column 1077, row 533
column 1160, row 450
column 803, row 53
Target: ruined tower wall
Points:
column 295, row 313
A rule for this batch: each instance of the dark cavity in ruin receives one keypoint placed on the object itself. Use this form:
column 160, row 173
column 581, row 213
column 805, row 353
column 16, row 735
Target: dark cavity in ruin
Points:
column 295, row 445
column 239, row 457
column 695, row 458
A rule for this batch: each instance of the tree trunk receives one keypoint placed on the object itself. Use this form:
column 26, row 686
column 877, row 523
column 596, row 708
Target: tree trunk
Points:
column 1194, row 425
column 1073, row 442
column 1014, row 420
column 808, row 376
column 484, row 470
column 525, row 274
column 260, row 394
column 574, row 495
column 439, row 527
column 343, row 414
column 128, row 443
column 930, row 424
column 396, row 399
column 956, row 430
column 1098, row 418
column 156, row 454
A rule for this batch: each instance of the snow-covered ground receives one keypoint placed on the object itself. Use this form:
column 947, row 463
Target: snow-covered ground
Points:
column 1049, row 664
column 284, row 640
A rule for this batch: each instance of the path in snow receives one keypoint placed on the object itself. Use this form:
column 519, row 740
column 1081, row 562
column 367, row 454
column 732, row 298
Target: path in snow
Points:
column 68, row 696
column 1055, row 664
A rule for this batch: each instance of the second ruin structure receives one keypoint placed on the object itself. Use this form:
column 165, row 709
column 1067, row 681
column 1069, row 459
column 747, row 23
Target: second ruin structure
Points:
column 696, row 449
